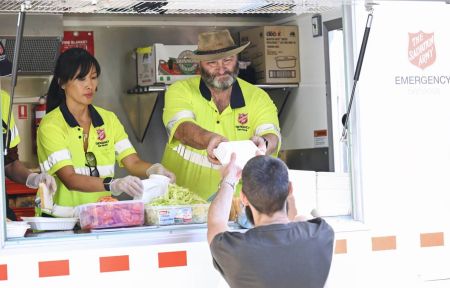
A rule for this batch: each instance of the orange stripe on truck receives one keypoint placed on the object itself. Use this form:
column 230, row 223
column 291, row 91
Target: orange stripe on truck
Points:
column 172, row 259
column 384, row 243
column 432, row 239
column 340, row 246
column 114, row 263
column 54, row 268
column 3, row 272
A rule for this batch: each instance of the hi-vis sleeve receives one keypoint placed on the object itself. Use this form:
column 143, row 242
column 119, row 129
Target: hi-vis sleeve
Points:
column 53, row 149
column 177, row 108
column 122, row 144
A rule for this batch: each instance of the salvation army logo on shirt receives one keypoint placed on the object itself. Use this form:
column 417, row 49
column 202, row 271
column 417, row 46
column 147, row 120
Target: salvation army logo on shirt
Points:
column 101, row 134
column 421, row 50
column 243, row 118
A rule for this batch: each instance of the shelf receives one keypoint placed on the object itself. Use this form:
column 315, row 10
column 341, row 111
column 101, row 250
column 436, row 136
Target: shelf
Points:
column 162, row 88
column 276, row 86
column 147, row 89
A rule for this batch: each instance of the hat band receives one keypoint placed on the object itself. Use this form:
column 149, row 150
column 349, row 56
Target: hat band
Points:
column 208, row 52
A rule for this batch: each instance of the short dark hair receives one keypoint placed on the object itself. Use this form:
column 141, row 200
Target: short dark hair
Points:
column 72, row 63
column 265, row 183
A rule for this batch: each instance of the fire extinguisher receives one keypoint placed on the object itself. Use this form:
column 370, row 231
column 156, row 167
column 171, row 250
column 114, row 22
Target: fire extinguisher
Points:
column 39, row 112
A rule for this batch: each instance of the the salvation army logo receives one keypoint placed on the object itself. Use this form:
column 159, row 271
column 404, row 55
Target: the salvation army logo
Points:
column 101, row 134
column 421, row 50
column 243, row 118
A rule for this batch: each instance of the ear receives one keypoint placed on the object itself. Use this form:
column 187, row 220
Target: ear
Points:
column 290, row 189
column 244, row 199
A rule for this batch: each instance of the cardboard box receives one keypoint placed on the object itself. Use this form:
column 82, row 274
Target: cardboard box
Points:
column 274, row 53
column 164, row 64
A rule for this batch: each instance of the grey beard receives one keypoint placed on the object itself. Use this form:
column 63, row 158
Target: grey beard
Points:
column 211, row 80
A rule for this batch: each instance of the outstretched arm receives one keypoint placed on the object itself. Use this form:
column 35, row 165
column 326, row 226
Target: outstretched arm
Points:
column 195, row 136
column 219, row 210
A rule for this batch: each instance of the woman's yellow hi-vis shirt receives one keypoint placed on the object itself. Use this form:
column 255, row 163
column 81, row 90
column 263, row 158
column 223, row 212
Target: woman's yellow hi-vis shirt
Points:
column 60, row 143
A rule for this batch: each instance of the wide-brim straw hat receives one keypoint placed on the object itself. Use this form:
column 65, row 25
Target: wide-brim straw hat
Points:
column 216, row 45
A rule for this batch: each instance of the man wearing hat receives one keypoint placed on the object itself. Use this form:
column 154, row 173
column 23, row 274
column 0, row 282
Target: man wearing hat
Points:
column 202, row 111
column 14, row 169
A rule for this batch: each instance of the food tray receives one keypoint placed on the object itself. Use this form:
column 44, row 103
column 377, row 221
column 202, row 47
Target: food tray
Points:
column 176, row 214
column 245, row 150
column 15, row 229
column 48, row 223
column 111, row 214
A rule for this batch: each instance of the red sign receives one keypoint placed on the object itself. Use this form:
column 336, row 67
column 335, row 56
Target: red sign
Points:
column 78, row 39
column 421, row 50
column 22, row 111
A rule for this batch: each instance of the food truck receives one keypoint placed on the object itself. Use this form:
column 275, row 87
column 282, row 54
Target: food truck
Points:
column 381, row 180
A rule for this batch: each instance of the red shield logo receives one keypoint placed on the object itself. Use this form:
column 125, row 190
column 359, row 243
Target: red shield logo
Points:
column 101, row 134
column 421, row 50
column 243, row 118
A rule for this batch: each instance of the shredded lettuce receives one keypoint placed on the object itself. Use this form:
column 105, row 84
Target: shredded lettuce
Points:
column 177, row 196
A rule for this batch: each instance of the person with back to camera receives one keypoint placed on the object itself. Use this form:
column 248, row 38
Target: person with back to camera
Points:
column 80, row 143
column 277, row 252
column 14, row 168
column 202, row 111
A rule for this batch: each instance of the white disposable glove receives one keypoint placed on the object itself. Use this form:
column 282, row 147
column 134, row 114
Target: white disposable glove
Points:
column 34, row 179
column 130, row 184
column 159, row 169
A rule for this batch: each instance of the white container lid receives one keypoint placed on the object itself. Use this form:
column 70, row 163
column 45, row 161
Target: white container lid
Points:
column 49, row 223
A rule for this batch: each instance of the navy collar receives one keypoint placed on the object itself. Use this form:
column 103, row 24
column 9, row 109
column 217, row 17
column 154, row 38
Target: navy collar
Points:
column 97, row 120
column 236, row 100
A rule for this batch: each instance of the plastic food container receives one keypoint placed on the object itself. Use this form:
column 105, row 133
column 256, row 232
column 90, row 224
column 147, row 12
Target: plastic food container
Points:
column 176, row 214
column 245, row 150
column 15, row 229
column 111, row 214
column 48, row 223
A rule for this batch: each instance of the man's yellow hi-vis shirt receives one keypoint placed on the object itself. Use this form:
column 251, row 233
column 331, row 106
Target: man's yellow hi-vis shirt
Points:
column 60, row 143
column 251, row 112
column 14, row 138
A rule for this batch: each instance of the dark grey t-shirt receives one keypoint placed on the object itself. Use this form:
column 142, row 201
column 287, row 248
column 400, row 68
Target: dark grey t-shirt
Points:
column 297, row 254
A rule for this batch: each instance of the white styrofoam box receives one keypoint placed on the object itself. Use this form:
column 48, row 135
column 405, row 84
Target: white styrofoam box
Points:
column 333, row 194
column 304, row 189
column 48, row 223
column 155, row 186
column 333, row 180
column 245, row 150
column 16, row 229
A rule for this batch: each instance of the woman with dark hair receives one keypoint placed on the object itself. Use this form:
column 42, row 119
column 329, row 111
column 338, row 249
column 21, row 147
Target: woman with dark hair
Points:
column 79, row 142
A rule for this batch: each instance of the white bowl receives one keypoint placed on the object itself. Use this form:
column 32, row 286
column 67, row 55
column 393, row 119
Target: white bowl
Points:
column 245, row 150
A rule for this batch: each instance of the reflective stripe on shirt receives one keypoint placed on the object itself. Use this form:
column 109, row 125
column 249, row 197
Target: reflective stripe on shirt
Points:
column 194, row 157
column 122, row 146
column 260, row 130
column 104, row 171
column 178, row 116
column 54, row 158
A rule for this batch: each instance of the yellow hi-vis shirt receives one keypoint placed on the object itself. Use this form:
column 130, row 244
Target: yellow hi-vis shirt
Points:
column 251, row 112
column 60, row 143
column 14, row 138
